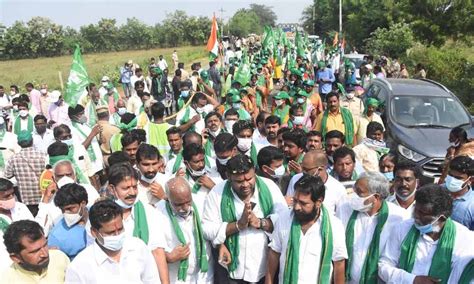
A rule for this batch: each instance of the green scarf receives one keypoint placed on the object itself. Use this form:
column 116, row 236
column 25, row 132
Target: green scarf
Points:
column 177, row 162
column 185, row 118
column 441, row 263
column 290, row 274
column 3, row 225
column 348, row 125
column 200, row 242
column 253, row 154
column 229, row 216
column 369, row 269
column 140, row 229
column 90, row 150
column 283, row 114
column 196, row 186
column 468, row 273
column 2, row 160
column 81, row 178
column 17, row 126
column 128, row 127
column 208, row 147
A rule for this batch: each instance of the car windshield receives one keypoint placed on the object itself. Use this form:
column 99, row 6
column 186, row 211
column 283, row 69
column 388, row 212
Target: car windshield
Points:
column 356, row 60
column 417, row 111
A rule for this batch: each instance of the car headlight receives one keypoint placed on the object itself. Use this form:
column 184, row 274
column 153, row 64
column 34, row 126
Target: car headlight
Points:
column 410, row 154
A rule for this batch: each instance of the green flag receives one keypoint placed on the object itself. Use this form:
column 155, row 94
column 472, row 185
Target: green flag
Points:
column 299, row 45
column 269, row 40
column 243, row 74
column 78, row 79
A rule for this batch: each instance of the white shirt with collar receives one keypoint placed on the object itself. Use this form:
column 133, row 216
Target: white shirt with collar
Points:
column 170, row 241
column 310, row 246
column 144, row 192
column 170, row 164
column 199, row 197
column 258, row 138
column 253, row 243
column 364, row 229
column 9, row 142
column 78, row 137
column 136, row 265
column 408, row 211
column 463, row 252
column 198, row 126
column 41, row 143
column 335, row 192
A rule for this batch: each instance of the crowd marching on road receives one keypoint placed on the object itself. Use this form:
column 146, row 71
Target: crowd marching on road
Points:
column 268, row 166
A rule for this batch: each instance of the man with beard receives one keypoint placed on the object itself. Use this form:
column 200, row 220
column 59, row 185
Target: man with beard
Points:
column 336, row 117
column 334, row 140
column 294, row 143
column 213, row 128
column 308, row 243
column 42, row 136
column 32, row 260
column 151, row 184
column 405, row 183
column 200, row 179
column 225, row 147
column 272, row 125
column 344, row 168
column 175, row 141
column 240, row 213
column 260, row 134
column 314, row 140
column 192, row 117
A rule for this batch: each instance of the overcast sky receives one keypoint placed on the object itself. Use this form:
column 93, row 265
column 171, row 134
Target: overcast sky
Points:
column 76, row 13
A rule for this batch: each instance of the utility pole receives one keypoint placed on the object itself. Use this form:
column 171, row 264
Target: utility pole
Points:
column 222, row 19
column 340, row 17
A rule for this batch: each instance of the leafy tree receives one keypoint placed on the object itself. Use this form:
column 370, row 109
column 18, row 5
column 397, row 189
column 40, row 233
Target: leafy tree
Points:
column 244, row 22
column 394, row 41
column 322, row 19
column 136, row 35
column 265, row 14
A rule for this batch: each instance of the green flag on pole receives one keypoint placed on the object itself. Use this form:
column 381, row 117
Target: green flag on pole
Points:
column 78, row 79
column 243, row 73
column 299, row 44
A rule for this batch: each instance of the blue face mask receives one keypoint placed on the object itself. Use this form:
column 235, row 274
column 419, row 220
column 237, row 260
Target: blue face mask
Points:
column 428, row 228
column 454, row 184
column 236, row 106
column 184, row 93
column 388, row 176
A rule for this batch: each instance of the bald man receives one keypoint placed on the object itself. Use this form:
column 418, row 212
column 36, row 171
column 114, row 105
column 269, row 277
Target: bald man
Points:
column 181, row 231
column 315, row 163
column 120, row 109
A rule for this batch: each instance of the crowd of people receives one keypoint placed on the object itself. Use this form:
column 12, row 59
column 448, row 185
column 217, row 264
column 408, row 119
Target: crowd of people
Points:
column 276, row 175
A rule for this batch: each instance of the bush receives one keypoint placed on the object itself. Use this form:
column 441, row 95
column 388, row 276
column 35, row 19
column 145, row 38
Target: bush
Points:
column 447, row 66
column 393, row 42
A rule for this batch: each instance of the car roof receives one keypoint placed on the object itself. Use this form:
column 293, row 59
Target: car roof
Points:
column 354, row 55
column 413, row 87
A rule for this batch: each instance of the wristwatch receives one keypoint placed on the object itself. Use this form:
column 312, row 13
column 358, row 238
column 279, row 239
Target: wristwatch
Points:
column 263, row 223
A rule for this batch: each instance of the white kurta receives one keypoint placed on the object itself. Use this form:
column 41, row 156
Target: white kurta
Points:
column 310, row 246
column 199, row 197
column 153, row 226
column 408, row 211
column 389, row 272
column 253, row 243
column 364, row 229
column 79, row 138
column 335, row 192
column 144, row 193
column 198, row 126
column 136, row 265
column 170, row 164
column 170, row 241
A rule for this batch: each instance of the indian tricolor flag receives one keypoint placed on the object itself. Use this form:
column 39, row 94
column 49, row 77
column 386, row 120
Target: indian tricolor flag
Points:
column 212, row 43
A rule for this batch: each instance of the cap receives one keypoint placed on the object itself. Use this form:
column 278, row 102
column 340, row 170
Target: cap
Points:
column 303, row 93
column 54, row 96
column 204, row 74
column 105, row 78
column 130, row 62
column 243, row 90
column 235, row 99
column 233, row 92
column 282, row 96
column 102, row 109
column 321, row 64
column 309, row 83
column 157, row 70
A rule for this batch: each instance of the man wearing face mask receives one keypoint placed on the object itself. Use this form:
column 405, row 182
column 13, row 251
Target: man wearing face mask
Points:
column 213, row 128
column 24, row 121
column 351, row 102
column 282, row 109
column 309, row 113
column 69, row 234
column 430, row 247
column 367, row 219
column 42, row 136
column 230, row 218
column 58, row 109
column 8, row 141
column 405, row 184
column 225, row 147
column 188, row 254
column 115, row 256
column 120, row 110
column 44, row 100
column 458, row 183
column 85, row 135
column 315, row 163
column 192, row 117
column 243, row 130
column 270, row 164
column 231, row 116
column 33, row 262
column 296, row 118
column 236, row 101
column 151, row 167
column 305, row 245
column 200, row 179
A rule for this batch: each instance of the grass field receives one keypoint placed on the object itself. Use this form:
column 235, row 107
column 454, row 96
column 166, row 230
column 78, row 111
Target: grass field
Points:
column 45, row 70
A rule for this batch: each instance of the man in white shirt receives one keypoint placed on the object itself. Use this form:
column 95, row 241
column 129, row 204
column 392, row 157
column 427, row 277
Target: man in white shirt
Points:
column 152, row 181
column 259, row 135
column 138, row 77
column 431, row 247
column 183, row 238
column 162, row 63
column 240, row 212
column 315, row 163
column 367, row 219
column 405, row 183
column 272, row 125
column 114, row 257
column 308, row 241
column 42, row 136
column 200, row 178
column 8, row 142
column 175, row 58
column 193, row 116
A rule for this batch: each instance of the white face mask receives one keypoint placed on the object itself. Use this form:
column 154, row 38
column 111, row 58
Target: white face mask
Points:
column 454, row 184
column 43, row 91
column 12, row 93
column 229, row 124
column 113, row 243
column 82, row 119
column 215, row 133
column 236, row 106
column 357, row 203
column 15, row 108
column 194, row 173
column 121, row 111
column 300, row 101
column 199, row 110
column 244, row 144
column 298, row 120
column 23, row 113
column 278, row 102
column 73, row 219
column 64, row 180
column 223, row 161
column 68, row 142
column 350, row 95
column 279, row 172
column 147, row 180
column 123, row 204
column 104, row 84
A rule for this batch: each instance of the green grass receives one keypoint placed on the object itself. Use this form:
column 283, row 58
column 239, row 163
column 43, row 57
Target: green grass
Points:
column 45, row 70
